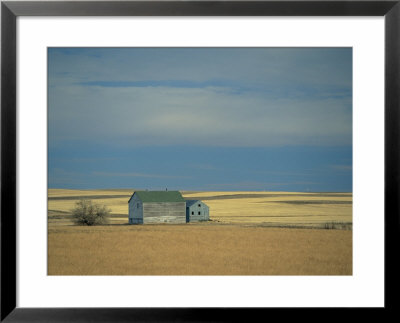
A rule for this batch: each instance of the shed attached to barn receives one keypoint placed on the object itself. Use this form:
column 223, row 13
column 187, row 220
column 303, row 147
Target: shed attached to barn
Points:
column 197, row 211
column 157, row 207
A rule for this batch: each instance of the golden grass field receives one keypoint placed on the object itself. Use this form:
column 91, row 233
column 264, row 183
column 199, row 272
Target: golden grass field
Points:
column 249, row 233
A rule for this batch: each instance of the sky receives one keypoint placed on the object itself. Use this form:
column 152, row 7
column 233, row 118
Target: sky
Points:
column 209, row 119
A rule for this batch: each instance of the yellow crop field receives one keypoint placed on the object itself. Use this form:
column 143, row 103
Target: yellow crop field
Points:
column 197, row 249
column 264, row 208
column 249, row 233
column 305, row 209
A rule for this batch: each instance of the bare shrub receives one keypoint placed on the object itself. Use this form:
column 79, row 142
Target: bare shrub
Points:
column 88, row 213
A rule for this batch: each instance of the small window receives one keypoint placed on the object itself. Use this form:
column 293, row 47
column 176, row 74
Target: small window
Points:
column 199, row 213
column 138, row 205
column 192, row 212
column 199, row 205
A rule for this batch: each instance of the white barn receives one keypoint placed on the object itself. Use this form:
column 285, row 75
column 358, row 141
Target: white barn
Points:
column 157, row 207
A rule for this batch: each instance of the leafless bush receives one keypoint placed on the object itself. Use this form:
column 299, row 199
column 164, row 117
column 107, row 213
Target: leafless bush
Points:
column 88, row 213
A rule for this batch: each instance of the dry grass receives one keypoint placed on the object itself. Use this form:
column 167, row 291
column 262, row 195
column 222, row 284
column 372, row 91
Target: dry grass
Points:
column 61, row 201
column 240, row 239
column 198, row 250
column 266, row 208
column 280, row 208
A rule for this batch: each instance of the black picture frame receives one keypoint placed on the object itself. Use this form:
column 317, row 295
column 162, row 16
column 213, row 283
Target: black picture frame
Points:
column 10, row 10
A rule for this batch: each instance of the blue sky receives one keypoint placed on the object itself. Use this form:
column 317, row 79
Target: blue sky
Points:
column 226, row 119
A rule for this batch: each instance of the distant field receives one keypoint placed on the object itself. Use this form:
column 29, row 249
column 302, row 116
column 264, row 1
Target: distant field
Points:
column 263, row 208
column 250, row 233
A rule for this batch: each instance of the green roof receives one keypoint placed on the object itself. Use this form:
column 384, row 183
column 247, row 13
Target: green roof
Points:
column 160, row 196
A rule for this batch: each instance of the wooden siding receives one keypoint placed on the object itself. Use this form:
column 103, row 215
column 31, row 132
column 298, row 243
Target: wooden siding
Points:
column 135, row 212
column 164, row 212
column 195, row 209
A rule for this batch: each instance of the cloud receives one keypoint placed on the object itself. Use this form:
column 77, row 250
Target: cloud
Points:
column 249, row 185
column 164, row 116
column 203, row 167
column 345, row 168
column 113, row 174
column 61, row 177
column 268, row 66
column 201, row 97
column 157, row 83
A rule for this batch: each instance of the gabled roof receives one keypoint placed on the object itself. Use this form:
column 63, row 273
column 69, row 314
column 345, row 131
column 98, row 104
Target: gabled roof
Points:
column 189, row 203
column 159, row 196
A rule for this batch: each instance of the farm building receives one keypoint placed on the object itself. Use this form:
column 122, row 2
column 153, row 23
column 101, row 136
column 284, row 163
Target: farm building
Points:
column 196, row 211
column 157, row 207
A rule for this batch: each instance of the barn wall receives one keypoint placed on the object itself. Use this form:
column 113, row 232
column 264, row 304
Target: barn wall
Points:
column 164, row 212
column 203, row 209
column 135, row 212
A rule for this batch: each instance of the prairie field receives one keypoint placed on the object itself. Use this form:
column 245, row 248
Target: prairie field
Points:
column 249, row 233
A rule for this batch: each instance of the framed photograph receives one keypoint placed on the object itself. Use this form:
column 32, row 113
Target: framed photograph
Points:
column 181, row 160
